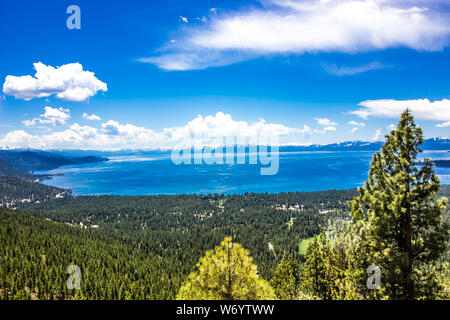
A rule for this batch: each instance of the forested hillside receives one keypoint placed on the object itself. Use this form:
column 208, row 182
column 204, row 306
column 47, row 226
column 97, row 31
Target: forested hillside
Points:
column 27, row 162
column 35, row 255
column 15, row 191
column 144, row 247
column 157, row 240
column 187, row 225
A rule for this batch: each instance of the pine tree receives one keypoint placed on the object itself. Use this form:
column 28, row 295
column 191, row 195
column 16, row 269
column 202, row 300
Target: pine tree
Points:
column 286, row 279
column 345, row 266
column 227, row 273
column 399, row 219
column 316, row 281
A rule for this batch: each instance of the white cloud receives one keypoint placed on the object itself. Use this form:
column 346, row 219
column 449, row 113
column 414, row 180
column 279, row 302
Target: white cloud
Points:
column 354, row 129
column 29, row 123
column 325, row 130
column 53, row 116
column 211, row 128
column 421, row 108
column 129, row 131
column 113, row 135
column 378, row 135
column 68, row 82
column 184, row 19
column 297, row 27
column 16, row 138
column 202, row 19
column 179, row 61
column 92, row 117
column 328, row 129
column 325, row 122
column 443, row 125
column 306, row 131
column 350, row 71
column 391, row 127
column 358, row 124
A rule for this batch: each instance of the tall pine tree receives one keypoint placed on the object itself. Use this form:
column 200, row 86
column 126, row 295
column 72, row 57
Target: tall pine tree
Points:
column 400, row 220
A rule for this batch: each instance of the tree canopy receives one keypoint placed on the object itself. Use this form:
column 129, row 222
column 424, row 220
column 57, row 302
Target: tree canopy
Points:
column 227, row 273
column 400, row 220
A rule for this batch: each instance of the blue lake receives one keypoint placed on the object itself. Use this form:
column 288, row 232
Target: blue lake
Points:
column 143, row 173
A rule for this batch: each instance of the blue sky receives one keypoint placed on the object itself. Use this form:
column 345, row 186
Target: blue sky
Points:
column 304, row 67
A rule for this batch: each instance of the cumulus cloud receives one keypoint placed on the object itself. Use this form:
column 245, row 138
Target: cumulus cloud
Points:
column 378, row 135
column 301, row 26
column 354, row 129
column 209, row 131
column 325, row 122
column 16, row 138
column 53, row 116
column 325, row 130
column 421, row 108
column 350, row 71
column 306, row 131
column 92, row 117
column 184, row 19
column 69, row 82
column 129, row 131
column 358, row 124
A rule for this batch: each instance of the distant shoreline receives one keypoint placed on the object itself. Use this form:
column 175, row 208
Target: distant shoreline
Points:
column 341, row 170
column 437, row 163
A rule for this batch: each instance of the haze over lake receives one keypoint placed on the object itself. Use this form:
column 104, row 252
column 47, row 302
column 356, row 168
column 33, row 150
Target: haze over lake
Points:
column 143, row 173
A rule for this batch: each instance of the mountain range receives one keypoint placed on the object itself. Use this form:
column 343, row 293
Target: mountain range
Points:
column 428, row 144
column 24, row 162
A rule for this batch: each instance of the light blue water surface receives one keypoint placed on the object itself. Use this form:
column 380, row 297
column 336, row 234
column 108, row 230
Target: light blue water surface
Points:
column 144, row 173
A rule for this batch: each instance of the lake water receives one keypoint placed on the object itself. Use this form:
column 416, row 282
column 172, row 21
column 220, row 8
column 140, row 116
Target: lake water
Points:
column 144, row 173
